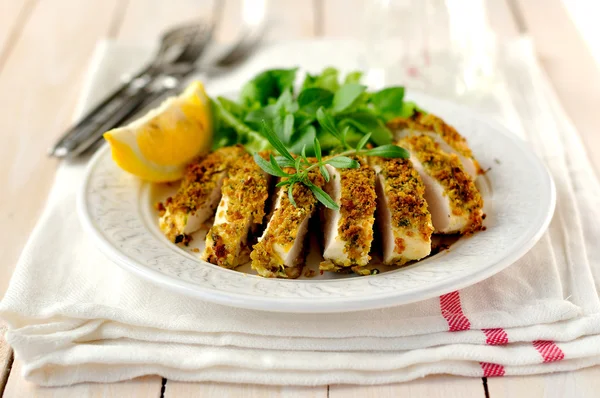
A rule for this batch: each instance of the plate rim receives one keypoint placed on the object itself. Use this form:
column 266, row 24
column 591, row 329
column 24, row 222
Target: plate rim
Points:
column 328, row 304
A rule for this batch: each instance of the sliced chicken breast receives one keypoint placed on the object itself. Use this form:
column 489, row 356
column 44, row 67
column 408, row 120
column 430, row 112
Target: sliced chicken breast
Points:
column 446, row 136
column 241, row 209
column 280, row 251
column 348, row 232
column 403, row 217
column 198, row 196
column 453, row 200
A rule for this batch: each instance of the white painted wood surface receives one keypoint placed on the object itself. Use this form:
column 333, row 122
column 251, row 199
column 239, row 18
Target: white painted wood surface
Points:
column 45, row 47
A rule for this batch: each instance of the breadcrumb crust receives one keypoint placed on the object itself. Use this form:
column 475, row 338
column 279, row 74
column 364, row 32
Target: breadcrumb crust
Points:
column 200, row 180
column 246, row 188
column 405, row 192
column 447, row 169
column 420, row 121
column 357, row 209
column 283, row 229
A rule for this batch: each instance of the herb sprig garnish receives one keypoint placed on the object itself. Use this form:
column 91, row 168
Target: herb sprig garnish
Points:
column 303, row 166
column 325, row 117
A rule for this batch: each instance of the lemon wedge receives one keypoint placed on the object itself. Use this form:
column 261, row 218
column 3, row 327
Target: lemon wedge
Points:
column 158, row 146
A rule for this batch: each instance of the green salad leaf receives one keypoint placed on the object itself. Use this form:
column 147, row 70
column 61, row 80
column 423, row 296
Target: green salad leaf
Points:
column 330, row 117
column 268, row 84
column 346, row 95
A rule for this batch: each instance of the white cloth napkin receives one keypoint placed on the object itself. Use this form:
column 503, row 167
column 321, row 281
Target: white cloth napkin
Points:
column 74, row 316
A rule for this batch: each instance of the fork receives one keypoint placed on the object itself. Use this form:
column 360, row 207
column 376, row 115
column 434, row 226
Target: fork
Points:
column 173, row 83
column 179, row 49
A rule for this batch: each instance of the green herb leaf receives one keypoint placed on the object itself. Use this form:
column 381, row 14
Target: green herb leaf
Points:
column 266, row 85
column 328, row 79
column 285, row 182
column 363, row 141
column 366, row 122
column 344, row 136
column 255, row 142
column 343, row 162
column 252, row 140
column 291, row 194
column 288, row 127
column 346, row 95
column 322, row 196
column 233, row 107
column 324, row 172
column 353, row 77
column 284, row 162
column 409, row 108
column 275, row 165
column 313, row 98
column 388, row 102
column 388, row 151
column 317, row 147
column 258, row 115
column 275, row 142
column 297, row 163
column 303, row 138
column 268, row 167
column 327, row 123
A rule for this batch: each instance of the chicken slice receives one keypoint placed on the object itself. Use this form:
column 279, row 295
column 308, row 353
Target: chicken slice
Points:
column 199, row 194
column 403, row 218
column 453, row 200
column 280, row 251
column 242, row 209
column 446, row 136
column 348, row 232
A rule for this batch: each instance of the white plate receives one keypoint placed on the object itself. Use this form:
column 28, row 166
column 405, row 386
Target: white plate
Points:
column 117, row 210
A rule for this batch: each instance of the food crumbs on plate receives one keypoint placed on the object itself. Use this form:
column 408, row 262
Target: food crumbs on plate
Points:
column 309, row 273
column 160, row 208
column 183, row 238
column 196, row 250
column 497, row 161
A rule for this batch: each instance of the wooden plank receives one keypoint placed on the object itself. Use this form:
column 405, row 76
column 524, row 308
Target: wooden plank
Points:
column 584, row 14
column 288, row 19
column 38, row 88
column 581, row 383
column 141, row 387
column 224, row 390
column 569, row 65
column 344, row 18
column 39, row 85
column 13, row 15
column 431, row 387
column 501, row 19
column 144, row 20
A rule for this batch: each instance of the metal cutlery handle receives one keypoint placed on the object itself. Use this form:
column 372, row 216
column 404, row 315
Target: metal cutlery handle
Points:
column 105, row 116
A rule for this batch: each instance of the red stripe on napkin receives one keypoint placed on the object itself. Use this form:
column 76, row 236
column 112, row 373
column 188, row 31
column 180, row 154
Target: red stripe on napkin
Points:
column 452, row 312
column 492, row 369
column 549, row 351
column 495, row 336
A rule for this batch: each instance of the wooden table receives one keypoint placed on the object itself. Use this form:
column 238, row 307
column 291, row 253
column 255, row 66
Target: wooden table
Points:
column 45, row 47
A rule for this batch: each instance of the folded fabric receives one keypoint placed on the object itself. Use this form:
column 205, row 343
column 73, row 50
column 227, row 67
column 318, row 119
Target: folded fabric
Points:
column 74, row 316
